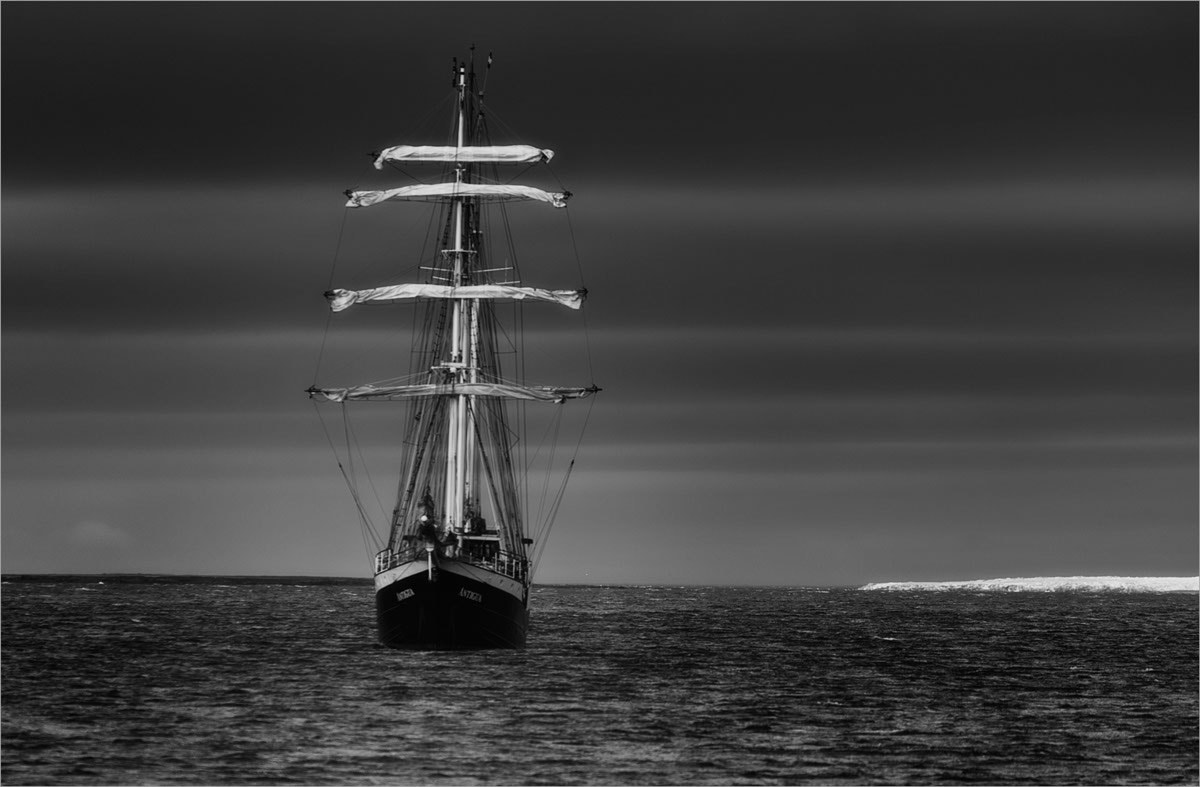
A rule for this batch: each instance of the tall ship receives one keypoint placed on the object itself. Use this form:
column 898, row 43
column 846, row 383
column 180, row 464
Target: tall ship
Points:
column 454, row 559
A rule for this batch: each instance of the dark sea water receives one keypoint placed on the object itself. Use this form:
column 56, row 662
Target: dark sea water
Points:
column 217, row 682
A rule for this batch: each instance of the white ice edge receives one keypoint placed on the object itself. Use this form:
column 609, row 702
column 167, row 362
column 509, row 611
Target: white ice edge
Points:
column 1054, row 584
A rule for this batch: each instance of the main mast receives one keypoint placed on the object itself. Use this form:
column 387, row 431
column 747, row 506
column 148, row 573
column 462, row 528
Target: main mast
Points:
column 462, row 365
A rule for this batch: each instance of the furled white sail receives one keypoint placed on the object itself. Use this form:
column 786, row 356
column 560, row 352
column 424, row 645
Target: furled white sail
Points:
column 499, row 154
column 340, row 300
column 363, row 199
column 369, row 392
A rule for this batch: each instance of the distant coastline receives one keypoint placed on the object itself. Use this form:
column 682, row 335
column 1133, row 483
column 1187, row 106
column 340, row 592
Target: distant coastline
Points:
column 185, row 579
column 1054, row 585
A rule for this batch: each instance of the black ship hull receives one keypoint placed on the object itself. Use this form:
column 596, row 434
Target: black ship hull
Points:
column 450, row 606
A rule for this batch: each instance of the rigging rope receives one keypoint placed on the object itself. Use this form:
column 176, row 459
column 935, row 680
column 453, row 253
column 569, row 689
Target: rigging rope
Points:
column 352, row 437
column 329, row 316
column 353, row 475
column 587, row 334
column 544, row 531
column 367, row 529
column 557, row 424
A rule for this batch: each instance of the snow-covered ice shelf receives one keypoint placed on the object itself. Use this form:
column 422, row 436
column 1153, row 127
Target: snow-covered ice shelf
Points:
column 1055, row 584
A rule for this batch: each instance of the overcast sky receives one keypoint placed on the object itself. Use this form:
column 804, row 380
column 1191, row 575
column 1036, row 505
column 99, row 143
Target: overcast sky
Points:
column 878, row 292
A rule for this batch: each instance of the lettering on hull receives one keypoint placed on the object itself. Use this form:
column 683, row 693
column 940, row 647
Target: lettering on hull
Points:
column 449, row 617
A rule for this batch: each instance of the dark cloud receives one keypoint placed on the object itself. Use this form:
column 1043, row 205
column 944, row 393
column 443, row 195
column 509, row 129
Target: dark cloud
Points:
column 236, row 92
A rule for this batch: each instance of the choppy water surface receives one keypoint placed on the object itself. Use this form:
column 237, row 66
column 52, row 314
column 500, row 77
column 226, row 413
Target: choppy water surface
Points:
column 211, row 683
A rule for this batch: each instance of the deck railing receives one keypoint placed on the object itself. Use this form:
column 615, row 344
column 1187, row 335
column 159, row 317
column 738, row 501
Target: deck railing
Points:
column 389, row 559
column 501, row 562
column 498, row 561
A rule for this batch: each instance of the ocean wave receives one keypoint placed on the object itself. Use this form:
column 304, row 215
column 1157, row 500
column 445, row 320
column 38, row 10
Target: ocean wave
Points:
column 1055, row 584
